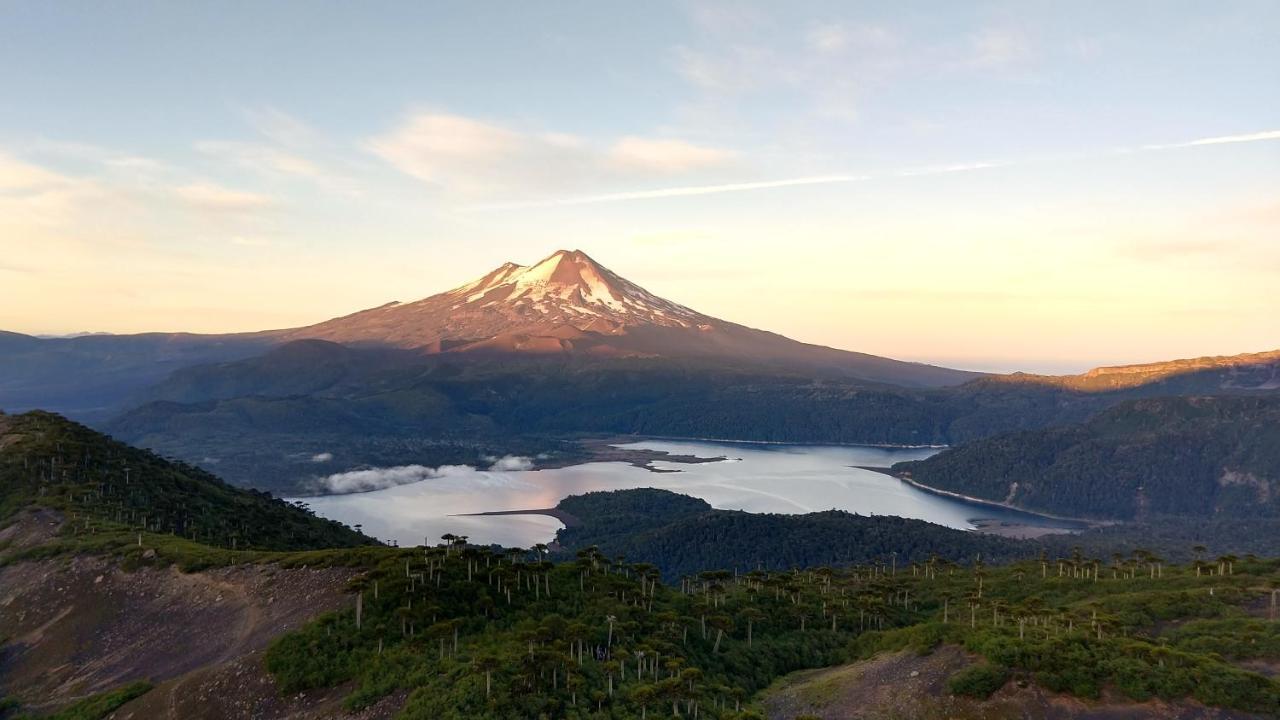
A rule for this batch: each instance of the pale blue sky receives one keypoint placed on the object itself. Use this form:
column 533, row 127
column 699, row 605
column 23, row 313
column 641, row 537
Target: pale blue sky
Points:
column 994, row 185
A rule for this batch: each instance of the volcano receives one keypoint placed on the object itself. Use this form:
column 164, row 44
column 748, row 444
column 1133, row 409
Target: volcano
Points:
column 569, row 304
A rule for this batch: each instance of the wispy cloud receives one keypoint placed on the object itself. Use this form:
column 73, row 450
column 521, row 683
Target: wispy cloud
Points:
column 470, row 156
column 216, row 198
column 260, row 159
column 30, row 193
column 666, row 156
column 999, row 48
column 282, row 128
column 691, row 190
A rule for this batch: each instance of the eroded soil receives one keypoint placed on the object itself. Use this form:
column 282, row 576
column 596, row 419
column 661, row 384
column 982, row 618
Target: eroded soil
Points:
column 71, row 627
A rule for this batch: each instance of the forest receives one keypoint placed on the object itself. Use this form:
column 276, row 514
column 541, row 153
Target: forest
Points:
column 356, row 403
column 105, row 487
column 1179, row 456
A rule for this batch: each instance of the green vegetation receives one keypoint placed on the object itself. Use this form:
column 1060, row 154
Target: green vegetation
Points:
column 114, row 495
column 683, row 535
column 91, row 708
column 384, row 408
column 1190, row 456
column 978, row 681
column 475, row 633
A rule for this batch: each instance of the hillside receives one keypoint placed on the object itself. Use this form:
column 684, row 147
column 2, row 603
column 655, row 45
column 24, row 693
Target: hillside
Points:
column 457, row 631
column 379, row 407
column 469, row 633
column 1250, row 371
column 1189, row 456
column 681, row 535
column 108, row 488
column 94, row 376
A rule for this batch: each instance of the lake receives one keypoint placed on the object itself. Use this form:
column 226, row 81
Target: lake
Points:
column 762, row 478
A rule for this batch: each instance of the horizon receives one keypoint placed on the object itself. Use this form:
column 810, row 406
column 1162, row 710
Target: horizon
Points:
column 997, row 188
column 1061, row 369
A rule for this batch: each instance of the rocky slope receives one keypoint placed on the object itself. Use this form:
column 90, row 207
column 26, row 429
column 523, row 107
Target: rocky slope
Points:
column 77, row 626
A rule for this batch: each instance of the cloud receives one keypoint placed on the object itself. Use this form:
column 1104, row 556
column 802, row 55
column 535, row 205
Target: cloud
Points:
column 381, row 478
column 438, row 148
column 692, row 190
column 836, row 38
column 471, row 156
column 282, row 128
column 666, row 156
column 323, row 457
column 260, row 159
column 819, row 72
column 207, row 196
column 511, row 463
column 387, row 477
column 20, row 177
column 998, row 48
column 31, row 194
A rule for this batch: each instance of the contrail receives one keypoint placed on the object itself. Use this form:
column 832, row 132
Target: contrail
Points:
column 689, row 190
column 677, row 192
column 1220, row 140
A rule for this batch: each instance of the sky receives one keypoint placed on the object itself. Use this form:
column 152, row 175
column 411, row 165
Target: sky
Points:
column 990, row 185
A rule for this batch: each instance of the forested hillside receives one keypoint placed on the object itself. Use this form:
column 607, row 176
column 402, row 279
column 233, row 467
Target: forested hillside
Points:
column 1189, row 456
column 459, row 631
column 105, row 487
column 383, row 407
column 682, row 535
column 471, row 633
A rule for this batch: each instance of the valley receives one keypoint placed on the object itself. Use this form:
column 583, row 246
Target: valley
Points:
column 757, row 478
column 684, row 359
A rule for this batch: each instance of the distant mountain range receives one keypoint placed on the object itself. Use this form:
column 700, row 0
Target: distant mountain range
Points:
column 525, row 355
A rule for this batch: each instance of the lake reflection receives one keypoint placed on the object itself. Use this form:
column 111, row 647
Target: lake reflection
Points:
column 754, row 477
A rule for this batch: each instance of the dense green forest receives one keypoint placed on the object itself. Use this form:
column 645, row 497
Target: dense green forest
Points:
column 110, row 490
column 372, row 406
column 1179, row 456
column 681, row 535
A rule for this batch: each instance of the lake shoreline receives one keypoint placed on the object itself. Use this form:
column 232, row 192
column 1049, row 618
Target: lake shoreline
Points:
column 1003, row 528
column 566, row 518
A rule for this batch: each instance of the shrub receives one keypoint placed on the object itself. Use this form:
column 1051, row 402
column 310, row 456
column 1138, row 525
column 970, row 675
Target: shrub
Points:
column 978, row 681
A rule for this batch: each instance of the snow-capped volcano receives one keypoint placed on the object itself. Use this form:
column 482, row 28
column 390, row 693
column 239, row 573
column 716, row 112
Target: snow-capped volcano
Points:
column 568, row 304
column 571, row 287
